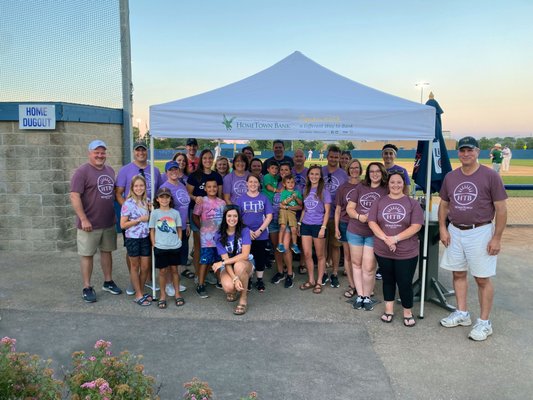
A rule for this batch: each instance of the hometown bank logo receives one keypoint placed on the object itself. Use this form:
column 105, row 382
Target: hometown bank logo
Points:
column 227, row 122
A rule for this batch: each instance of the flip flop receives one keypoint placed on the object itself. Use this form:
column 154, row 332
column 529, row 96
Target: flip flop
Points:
column 143, row 301
column 317, row 289
column 162, row 304
column 240, row 309
column 306, row 286
column 387, row 318
column 187, row 274
column 407, row 320
column 180, row 301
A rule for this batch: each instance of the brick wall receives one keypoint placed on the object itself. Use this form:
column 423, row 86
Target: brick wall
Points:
column 35, row 172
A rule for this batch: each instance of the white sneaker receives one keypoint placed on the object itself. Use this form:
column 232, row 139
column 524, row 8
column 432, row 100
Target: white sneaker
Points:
column 149, row 286
column 183, row 288
column 480, row 331
column 169, row 290
column 456, row 318
column 130, row 291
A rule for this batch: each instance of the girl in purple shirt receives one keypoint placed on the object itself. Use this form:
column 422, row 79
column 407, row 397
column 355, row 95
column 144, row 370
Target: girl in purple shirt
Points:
column 395, row 220
column 359, row 235
column 233, row 246
column 256, row 212
column 312, row 226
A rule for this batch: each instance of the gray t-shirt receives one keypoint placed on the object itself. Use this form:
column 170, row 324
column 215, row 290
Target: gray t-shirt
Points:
column 471, row 197
column 166, row 224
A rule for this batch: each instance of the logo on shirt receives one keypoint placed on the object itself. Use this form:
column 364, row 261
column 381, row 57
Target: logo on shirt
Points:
column 253, row 206
column 332, row 183
column 311, row 201
column 182, row 197
column 368, row 199
column 239, row 188
column 105, row 185
column 229, row 246
column 167, row 225
column 347, row 197
column 465, row 193
column 394, row 213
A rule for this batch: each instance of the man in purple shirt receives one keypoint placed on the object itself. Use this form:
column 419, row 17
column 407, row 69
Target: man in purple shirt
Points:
column 334, row 177
column 471, row 196
column 299, row 171
column 91, row 196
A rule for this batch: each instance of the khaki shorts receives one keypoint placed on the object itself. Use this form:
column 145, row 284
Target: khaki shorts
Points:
column 332, row 240
column 287, row 217
column 104, row 239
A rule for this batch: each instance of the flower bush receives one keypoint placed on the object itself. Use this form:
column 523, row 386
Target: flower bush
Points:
column 102, row 376
column 197, row 390
column 25, row 376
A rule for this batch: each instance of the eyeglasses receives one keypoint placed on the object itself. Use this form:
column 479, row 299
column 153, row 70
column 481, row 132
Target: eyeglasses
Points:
column 395, row 172
column 141, row 172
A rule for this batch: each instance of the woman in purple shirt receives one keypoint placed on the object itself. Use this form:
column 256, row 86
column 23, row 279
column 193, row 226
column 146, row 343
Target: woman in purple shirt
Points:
column 395, row 220
column 354, row 169
column 359, row 235
column 233, row 246
column 256, row 212
column 312, row 226
column 235, row 182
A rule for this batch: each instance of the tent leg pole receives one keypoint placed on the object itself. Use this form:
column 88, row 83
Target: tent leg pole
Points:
column 426, row 228
column 152, row 196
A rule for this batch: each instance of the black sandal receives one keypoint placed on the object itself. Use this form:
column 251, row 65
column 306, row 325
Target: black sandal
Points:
column 407, row 320
column 162, row 304
column 187, row 274
column 387, row 318
column 180, row 301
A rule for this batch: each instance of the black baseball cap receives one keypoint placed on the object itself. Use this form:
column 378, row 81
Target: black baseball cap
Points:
column 468, row 141
column 192, row 142
column 136, row 145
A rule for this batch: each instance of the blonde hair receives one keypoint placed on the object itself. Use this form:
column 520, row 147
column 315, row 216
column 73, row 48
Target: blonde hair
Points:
column 132, row 195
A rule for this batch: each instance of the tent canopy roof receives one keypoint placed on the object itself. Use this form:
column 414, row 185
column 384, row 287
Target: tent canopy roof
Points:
column 295, row 98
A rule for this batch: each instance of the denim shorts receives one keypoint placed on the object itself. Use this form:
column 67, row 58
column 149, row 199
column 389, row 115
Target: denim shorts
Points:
column 311, row 230
column 138, row 247
column 194, row 227
column 343, row 227
column 209, row 255
column 273, row 227
column 357, row 240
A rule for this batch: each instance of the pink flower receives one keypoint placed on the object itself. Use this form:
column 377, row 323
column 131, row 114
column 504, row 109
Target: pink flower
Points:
column 92, row 358
column 102, row 344
column 108, row 353
column 10, row 342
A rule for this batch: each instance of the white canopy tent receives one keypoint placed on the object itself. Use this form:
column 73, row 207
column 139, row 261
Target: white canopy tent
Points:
column 295, row 98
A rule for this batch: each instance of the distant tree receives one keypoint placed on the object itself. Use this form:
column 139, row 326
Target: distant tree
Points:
column 485, row 143
column 346, row 145
column 529, row 142
column 519, row 144
column 261, row 144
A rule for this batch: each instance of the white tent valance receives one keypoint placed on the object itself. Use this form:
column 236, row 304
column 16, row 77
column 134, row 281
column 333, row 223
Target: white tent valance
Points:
column 295, row 98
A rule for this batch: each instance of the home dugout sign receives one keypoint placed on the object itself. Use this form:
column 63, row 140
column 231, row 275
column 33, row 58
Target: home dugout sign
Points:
column 37, row 116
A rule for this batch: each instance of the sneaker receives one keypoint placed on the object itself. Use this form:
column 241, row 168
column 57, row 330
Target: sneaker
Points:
column 334, row 281
column 480, row 331
column 277, row 278
column 130, row 291
column 378, row 276
column 325, row 279
column 200, row 289
column 211, row 278
column 289, row 281
column 456, row 318
column 218, row 285
column 260, row 285
column 89, row 295
column 368, row 305
column 295, row 249
column 149, row 286
column 281, row 248
column 183, row 288
column 169, row 290
column 358, row 303
column 111, row 287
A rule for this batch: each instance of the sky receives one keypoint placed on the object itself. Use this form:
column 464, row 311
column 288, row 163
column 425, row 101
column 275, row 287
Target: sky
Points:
column 476, row 56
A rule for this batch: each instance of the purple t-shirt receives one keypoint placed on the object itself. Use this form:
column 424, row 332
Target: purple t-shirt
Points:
column 471, row 197
column 181, row 200
column 128, row 171
column 333, row 180
column 300, row 179
column 342, row 198
column 227, row 248
column 405, row 173
column 254, row 211
column 314, row 207
column 276, row 200
column 235, row 185
column 133, row 211
column 210, row 212
column 97, row 192
column 393, row 217
column 364, row 196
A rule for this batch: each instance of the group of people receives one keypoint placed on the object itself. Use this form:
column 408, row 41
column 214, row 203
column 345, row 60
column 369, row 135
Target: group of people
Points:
column 237, row 213
column 501, row 158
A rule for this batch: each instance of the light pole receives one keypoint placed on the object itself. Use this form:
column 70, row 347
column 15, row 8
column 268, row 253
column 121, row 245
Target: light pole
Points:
column 422, row 84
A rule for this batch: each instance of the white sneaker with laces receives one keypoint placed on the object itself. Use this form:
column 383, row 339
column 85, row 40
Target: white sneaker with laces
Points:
column 456, row 318
column 149, row 286
column 169, row 290
column 480, row 331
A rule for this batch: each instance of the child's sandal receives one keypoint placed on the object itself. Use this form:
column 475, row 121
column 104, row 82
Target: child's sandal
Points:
column 162, row 304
